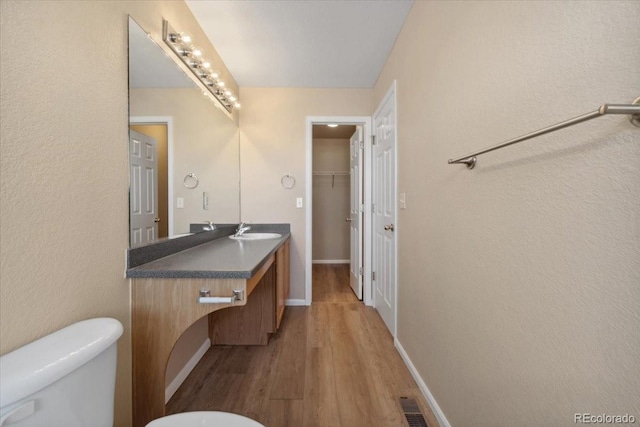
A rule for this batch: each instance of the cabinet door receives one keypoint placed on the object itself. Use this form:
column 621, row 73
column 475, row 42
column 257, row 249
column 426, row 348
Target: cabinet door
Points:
column 282, row 280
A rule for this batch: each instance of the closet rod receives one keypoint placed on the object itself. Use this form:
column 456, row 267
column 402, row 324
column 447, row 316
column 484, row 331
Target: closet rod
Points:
column 633, row 110
column 331, row 173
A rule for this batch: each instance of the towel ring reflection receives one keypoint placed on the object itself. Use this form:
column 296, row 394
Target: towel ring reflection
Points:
column 191, row 178
column 288, row 181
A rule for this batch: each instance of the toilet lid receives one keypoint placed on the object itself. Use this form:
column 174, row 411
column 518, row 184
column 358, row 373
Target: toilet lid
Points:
column 204, row 419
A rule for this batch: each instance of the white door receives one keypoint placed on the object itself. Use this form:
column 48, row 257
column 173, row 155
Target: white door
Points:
column 355, row 214
column 143, row 193
column 384, row 211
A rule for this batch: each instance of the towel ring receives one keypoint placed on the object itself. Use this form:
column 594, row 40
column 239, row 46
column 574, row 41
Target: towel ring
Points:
column 288, row 181
column 191, row 177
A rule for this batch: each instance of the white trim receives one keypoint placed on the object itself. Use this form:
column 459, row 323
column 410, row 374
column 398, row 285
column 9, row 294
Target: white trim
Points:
column 186, row 370
column 295, row 302
column 365, row 122
column 168, row 120
column 331, row 261
column 435, row 408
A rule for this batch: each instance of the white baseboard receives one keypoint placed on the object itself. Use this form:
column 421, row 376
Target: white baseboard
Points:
column 330, row 261
column 295, row 302
column 184, row 372
column 423, row 387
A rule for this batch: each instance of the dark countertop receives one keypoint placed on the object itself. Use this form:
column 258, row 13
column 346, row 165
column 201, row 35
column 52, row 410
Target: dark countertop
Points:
column 223, row 258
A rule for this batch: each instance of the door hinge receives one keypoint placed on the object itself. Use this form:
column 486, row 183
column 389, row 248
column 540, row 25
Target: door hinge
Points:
column 361, row 271
column 361, row 145
column 361, row 208
column 373, row 275
column 373, row 139
column 373, row 208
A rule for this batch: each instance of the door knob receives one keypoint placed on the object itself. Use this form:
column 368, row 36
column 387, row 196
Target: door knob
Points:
column 389, row 227
column 156, row 220
column 348, row 219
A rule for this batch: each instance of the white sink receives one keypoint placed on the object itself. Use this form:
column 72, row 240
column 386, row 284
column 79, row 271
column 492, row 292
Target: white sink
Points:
column 257, row 236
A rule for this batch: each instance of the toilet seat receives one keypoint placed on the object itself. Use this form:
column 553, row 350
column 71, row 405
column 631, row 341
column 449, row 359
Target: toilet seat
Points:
column 204, row 419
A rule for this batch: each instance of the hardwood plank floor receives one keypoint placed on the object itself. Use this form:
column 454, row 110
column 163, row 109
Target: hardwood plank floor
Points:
column 331, row 364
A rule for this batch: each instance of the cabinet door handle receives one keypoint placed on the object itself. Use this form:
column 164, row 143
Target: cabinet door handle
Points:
column 348, row 219
column 156, row 220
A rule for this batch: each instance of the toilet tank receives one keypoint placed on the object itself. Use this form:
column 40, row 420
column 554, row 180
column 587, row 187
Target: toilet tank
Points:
column 66, row 379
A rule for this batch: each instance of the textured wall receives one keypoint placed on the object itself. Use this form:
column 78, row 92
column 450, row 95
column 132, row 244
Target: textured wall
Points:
column 272, row 143
column 64, row 174
column 330, row 200
column 519, row 288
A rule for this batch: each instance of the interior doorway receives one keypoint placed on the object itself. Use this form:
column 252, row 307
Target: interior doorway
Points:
column 158, row 131
column 333, row 195
column 334, row 200
column 160, row 128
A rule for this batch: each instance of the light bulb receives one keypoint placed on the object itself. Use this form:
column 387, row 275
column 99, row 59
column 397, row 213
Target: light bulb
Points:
column 220, row 83
column 214, row 74
column 180, row 38
column 333, row 125
column 227, row 93
column 232, row 98
column 197, row 52
column 206, row 65
column 237, row 105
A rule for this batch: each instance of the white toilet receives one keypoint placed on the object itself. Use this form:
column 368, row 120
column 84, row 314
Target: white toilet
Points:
column 67, row 379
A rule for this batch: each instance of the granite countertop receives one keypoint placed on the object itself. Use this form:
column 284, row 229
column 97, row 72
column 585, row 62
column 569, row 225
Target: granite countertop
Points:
column 222, row 258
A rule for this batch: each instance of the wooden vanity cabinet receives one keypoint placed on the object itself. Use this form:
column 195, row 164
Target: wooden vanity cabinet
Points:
column 163, row 308
column 282, row 280
column 254, row 323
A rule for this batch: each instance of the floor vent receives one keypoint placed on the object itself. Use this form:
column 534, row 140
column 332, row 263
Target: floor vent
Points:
column 412, row 412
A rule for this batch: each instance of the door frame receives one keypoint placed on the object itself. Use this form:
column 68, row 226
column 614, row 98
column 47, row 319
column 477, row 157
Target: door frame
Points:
column 392, row 92
column 162, row 120
column 365, row 122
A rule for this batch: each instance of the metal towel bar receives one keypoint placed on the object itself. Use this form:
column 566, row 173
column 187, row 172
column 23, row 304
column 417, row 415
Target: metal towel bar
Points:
column 206, row 298
column 634, row 117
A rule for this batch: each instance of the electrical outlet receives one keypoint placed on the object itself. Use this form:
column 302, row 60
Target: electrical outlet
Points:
column 179, row 203
column 299, row 202
column 403, row 200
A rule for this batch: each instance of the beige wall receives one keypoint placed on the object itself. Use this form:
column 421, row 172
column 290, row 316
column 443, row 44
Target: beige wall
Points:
column 519, row 283
column 330, row 200
column 272, row 143
column 205, row 142
column 64, row 180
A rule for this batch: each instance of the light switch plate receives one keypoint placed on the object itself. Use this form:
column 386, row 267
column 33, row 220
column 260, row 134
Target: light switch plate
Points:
column 205, row 200
column 403, row 200
column 179, row 203
column 299, row 202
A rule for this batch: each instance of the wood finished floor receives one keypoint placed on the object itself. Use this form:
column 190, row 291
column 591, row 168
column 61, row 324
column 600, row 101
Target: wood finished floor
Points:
column 331, row 364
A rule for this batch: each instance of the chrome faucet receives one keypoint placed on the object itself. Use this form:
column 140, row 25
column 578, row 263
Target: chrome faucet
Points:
column 209, row 227
column 242, row 227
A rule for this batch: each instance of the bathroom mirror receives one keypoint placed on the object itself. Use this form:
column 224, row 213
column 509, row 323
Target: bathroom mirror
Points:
column 184, row 154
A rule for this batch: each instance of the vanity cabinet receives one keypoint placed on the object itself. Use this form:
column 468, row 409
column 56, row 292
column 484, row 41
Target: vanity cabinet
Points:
column 282, row 280
column 253, row 323
column 164, row 307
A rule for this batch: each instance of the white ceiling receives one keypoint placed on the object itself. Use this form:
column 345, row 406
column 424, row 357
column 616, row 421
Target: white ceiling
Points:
column 296, row 43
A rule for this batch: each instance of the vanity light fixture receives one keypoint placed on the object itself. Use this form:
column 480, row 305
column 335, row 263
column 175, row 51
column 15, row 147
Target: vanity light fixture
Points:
column 332, row 125
column 192, row 57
